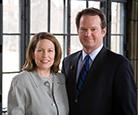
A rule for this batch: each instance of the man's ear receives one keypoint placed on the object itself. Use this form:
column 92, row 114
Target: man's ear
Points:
column 77, row 30
column 104, row 30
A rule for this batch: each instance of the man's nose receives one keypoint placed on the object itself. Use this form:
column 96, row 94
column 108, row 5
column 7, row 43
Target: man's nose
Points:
column 88, row 32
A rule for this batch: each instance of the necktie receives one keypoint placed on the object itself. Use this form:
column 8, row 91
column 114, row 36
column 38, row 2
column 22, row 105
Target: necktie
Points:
column 83, row 74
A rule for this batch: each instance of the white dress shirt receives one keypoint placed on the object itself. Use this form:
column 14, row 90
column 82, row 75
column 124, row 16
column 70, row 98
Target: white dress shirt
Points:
column 81, row 60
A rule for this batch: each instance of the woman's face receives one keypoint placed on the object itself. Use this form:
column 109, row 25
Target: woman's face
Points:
column 44, row 54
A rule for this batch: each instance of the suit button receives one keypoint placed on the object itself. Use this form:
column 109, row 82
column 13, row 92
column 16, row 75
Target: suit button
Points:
column 47, row 84
column 76, row 100
column 53, row 104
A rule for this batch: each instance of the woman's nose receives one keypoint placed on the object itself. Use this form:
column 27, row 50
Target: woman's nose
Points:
column 44, row 54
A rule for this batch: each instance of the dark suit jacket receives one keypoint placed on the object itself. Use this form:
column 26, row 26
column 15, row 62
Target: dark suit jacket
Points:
column 109, row 88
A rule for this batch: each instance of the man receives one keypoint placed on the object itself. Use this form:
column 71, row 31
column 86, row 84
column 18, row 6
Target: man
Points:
column 108, row 87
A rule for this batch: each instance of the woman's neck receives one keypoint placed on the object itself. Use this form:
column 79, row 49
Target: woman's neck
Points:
column 43, row 73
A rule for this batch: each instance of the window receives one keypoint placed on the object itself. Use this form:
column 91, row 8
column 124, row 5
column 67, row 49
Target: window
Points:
column 11, row 46
column 39, row 15
column 77, row 6
column 117, row 28
column 22, row 19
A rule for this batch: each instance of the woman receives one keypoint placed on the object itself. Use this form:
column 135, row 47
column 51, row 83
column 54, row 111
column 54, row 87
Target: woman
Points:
column 39, row 89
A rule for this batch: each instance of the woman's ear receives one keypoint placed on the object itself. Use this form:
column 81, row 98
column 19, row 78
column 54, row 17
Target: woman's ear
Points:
column 33, row 56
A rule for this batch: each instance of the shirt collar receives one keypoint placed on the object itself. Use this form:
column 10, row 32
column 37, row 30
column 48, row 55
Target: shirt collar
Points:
column 92, row 54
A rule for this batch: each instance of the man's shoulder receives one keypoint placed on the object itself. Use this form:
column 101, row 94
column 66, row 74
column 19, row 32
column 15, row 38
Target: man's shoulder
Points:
column 73, row 55
column 116, row 57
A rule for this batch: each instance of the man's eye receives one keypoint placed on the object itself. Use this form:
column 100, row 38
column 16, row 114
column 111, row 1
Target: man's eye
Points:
column 93, row 29
column 83, row 30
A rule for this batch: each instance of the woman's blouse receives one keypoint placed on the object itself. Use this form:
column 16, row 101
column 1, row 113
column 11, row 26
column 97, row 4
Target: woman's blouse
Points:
column 31, row 94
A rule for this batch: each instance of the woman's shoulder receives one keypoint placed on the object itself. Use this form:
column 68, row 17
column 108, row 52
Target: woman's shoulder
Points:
column 20, row 77
column 59, row 74
column 59, row 77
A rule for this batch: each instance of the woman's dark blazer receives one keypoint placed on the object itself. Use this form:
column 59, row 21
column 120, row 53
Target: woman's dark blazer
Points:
column 109, row 89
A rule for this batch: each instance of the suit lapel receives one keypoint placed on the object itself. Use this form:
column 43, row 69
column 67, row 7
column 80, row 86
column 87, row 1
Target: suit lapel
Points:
column 95, row 68
column 98, row 61
column 74, row 65
column 73, row 72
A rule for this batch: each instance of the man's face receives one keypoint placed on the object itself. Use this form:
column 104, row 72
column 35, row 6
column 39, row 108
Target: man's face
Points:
column 90, row 32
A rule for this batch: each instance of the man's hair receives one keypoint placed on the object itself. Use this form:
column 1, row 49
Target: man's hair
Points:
column 91, row 12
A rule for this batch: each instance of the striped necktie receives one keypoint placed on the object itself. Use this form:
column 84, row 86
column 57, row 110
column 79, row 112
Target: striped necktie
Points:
column 83, row 74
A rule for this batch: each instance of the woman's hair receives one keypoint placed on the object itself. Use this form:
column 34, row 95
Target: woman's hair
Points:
column 91, row 12
column 30, row 64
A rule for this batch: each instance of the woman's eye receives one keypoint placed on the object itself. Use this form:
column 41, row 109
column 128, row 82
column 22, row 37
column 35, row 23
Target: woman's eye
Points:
column 51, row 50
column 38, row 50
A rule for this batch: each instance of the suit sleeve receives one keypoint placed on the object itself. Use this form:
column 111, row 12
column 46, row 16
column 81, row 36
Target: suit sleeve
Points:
column 125, row 90
column 16, row 98
column 63, row 67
